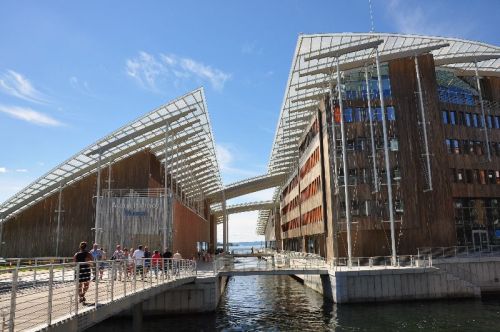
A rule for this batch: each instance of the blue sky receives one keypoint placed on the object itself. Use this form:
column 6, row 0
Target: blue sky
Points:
column 71, row 72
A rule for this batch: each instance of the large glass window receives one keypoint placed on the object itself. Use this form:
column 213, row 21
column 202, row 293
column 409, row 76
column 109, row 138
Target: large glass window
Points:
column 378, row 114
column 497, row 122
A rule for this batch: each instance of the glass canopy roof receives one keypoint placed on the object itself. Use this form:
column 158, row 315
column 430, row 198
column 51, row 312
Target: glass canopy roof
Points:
column 191, row 157
column 313, row 70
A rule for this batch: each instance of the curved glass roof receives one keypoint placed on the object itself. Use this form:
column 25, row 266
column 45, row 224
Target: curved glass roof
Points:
column 313, row 69
column 191, row 157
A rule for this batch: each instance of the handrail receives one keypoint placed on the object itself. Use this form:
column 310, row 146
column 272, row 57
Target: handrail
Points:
column 34, row 297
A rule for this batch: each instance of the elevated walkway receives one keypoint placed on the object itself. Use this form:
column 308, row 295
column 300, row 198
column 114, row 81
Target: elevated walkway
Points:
column 245, row 207
column 247, row 186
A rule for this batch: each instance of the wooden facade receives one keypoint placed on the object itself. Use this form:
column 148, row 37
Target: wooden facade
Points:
column 33, row 232
column 424, row 217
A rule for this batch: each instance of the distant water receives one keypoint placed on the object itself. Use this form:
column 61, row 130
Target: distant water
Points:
column 280, row 303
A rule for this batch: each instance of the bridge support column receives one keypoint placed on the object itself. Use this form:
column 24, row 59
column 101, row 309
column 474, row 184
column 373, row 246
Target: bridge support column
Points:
column 137, row 317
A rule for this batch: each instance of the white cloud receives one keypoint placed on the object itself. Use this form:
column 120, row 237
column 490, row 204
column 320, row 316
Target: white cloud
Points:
column 414, row 18
column 3, row 170
column 151, row 71
column 21, row 170
column 29, row 115
column 15, row 84
column 225, row 158
column 80, row 86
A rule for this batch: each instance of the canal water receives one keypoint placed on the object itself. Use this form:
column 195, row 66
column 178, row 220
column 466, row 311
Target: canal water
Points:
column 281, row 303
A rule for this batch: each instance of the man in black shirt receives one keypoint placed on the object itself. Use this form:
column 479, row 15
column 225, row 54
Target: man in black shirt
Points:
column 167, row 261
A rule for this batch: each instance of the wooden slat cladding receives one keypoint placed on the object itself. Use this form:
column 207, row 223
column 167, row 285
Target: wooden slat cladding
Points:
column 491, row 88
column 33, row 231
column 428, row 215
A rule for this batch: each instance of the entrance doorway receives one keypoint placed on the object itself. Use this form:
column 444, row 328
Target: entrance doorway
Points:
column 480, row 240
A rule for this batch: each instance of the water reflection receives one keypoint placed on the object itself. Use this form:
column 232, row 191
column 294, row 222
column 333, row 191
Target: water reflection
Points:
column 281, row 303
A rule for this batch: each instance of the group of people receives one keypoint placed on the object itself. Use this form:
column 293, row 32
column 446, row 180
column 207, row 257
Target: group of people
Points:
column 129, row 261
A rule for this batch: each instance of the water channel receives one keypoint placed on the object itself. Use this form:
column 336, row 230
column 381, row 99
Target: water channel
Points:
column 281, row 303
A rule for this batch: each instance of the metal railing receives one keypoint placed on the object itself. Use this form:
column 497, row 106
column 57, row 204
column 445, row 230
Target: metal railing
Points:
column 33, row 297
column 460, row 251
column 276, row 262
column 382, row 262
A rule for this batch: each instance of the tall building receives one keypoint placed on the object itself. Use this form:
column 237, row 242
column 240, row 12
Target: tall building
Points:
column 391, row 143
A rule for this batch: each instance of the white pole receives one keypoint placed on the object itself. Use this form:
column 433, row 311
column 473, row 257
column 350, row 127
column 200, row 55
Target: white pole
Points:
column 424, row 124
column 167, row 215
column 59, row 203
column 346, row 171
column 98, row 200
column 482, row 112
column 387, row 162
column 224, row 222
column 370, row 116
column 334, row 143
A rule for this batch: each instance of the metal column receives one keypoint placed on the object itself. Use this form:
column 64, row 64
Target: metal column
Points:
column 370, row 116
column 225, row 228
column 59, row 211
column 98, row 200
column 482, row 111
column 334, row 142
column 166, row 221
column 386, row 156
column 424, row 124
column 346, row 171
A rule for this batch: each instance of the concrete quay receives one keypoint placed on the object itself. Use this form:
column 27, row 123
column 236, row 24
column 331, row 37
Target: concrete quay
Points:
column 456, row 278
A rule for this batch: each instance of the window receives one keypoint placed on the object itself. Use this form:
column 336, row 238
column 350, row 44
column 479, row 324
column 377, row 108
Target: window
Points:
column 467, row 119
column 360, row 144
column 394, row 144
column 491, row 177
column 489, row 121
column 378, row 114
column 359, row 114
column 461, row 118
column 477, row 177
column 455, row 146
column 348, row 115
column 478, row 148
column 444, row 116
column 469, row 178
column 448, row 145
column 482, row 176
column 497, row 176
column 453, row 117
column 466, row 147
column 397, row 174
column 459, row 176
column 398, row 206
column 475, row 120
column 391, row 114
column 497, row 122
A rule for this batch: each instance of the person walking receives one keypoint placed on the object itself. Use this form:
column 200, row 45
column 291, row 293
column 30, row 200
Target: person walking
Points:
column 147, row 260
column 83, row 258
column 138, row 256
column 97, row 255
column 156, row 262
column 167, row 261
column 118, row 258
column 177, row 262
